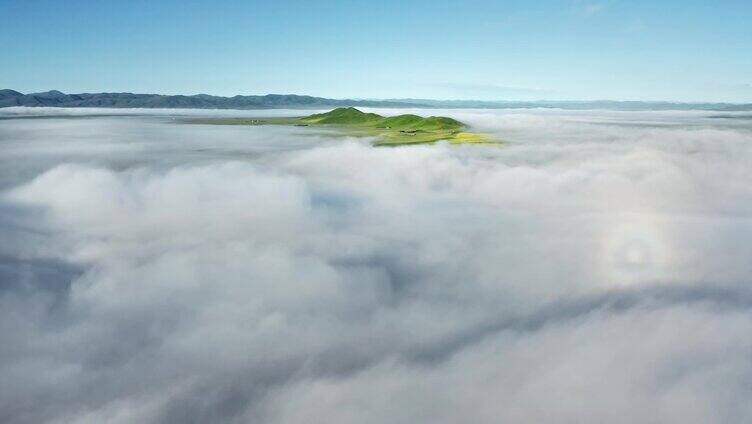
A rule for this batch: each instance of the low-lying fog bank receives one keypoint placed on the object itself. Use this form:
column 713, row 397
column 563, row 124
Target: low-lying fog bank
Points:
column 594, row 269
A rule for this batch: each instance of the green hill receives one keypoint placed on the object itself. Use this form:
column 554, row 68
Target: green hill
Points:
column 434, row 123
column 400, row 121
column 388, row 131
column 343, row 116
column 353, row 116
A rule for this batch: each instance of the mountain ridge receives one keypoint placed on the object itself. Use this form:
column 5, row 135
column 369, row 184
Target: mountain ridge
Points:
column 55, row 98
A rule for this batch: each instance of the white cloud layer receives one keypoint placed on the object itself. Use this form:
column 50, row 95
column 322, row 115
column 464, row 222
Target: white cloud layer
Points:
column 595, row 269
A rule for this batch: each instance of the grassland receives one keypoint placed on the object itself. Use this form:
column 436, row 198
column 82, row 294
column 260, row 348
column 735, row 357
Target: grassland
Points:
column 387, row 131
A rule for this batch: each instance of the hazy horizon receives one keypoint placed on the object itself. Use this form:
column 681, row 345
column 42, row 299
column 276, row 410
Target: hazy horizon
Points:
column 462, row 102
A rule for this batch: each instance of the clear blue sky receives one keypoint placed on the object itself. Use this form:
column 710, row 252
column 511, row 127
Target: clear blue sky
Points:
column 567, row 49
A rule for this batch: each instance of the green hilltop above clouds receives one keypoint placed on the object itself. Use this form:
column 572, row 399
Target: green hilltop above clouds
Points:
column 352, row 116
column 388, row 131
column 343, row 116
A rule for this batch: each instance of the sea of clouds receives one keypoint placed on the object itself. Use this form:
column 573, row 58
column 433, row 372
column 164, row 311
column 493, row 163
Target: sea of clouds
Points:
column 596, row 268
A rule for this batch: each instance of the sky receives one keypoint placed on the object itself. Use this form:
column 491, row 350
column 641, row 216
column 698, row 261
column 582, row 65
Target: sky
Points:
column 485, row 50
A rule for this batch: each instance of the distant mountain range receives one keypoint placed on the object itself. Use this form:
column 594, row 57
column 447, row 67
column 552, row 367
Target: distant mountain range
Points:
column 579, row 105
column 56, row 98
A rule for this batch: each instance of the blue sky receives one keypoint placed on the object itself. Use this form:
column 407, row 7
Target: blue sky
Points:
column 488, row 50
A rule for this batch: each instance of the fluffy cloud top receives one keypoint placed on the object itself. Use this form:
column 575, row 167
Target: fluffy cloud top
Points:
column 594, row 269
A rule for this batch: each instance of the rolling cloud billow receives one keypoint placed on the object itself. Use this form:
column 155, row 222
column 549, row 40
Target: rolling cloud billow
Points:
column 593, row 269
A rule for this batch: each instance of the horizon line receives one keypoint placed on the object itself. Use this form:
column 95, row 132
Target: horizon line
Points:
column 396, row 99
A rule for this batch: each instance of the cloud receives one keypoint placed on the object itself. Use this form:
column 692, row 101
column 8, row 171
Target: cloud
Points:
column 588, row 9
column 593, row 269
column 646, row 365
column 591, row 9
